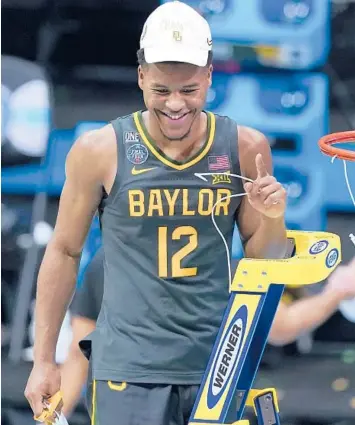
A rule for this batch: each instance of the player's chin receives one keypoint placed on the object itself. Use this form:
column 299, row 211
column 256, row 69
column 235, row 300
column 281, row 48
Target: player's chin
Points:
column 176, row 129
column 175, row 137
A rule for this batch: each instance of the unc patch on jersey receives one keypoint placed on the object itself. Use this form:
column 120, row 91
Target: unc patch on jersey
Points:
column 227, row 357
column 137, row 154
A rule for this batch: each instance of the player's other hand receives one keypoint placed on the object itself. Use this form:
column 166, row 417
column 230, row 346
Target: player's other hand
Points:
column 342, row 281
column 44, row 382
column 266, row 194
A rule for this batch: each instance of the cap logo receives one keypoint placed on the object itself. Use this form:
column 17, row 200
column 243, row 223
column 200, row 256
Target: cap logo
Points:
column 177, row 36
column 209, row 42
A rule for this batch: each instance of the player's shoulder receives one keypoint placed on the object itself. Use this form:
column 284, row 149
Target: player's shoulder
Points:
column 250, row 139
column 95, row 140
column 92, row 154
column 99, row 141
column 93, row 147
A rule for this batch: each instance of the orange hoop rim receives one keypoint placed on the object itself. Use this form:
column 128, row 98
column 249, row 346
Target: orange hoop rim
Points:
column 326, row 145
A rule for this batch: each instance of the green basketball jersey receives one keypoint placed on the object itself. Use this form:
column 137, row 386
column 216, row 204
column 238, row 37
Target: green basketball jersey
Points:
column 166, row 274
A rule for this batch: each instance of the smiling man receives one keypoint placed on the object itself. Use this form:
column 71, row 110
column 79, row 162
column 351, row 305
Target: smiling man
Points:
column 165, row 268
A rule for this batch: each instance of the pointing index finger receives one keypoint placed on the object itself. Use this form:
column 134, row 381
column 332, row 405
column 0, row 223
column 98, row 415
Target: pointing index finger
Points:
column 260, row 166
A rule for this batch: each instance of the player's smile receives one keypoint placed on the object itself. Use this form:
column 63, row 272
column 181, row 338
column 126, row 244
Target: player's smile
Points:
column 175, row 117
column 175, row 125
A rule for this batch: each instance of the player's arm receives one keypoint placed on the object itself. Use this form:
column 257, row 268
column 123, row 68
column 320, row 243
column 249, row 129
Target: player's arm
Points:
column 86, row 169
column 80, row 198
column 84, row 309
column 260, row 218
column 307, row 314
column 74, row 371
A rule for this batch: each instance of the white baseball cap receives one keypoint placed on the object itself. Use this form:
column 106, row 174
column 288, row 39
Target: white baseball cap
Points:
column 176, row 32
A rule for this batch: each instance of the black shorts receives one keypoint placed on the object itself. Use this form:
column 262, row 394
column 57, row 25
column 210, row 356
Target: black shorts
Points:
column 122, row 403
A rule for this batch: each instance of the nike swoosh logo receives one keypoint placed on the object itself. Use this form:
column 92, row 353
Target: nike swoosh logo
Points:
column 135, row 172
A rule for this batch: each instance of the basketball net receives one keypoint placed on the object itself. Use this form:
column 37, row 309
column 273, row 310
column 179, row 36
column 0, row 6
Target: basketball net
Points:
column 346, row 180
column 327, row 145
column 347, row 307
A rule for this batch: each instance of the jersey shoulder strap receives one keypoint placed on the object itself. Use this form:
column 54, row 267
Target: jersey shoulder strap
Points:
column 125, row 132
column 226, row 140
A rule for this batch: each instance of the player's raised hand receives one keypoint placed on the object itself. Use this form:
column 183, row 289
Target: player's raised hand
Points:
column 266, row 194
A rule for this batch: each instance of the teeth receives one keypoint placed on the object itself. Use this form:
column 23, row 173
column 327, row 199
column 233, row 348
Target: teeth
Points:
column 175, row 117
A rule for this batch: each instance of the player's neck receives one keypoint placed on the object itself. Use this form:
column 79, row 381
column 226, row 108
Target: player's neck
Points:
column 179, row 149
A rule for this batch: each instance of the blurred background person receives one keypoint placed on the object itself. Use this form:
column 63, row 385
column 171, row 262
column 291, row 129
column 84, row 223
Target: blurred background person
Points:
column 299, row 313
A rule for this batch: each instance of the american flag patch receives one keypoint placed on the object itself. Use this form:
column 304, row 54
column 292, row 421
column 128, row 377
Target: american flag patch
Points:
column 218, row 162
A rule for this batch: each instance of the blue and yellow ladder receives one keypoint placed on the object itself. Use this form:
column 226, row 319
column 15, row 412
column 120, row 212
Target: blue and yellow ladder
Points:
column 255, row 295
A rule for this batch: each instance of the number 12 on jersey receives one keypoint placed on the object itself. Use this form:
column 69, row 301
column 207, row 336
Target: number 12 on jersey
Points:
column 170, row 266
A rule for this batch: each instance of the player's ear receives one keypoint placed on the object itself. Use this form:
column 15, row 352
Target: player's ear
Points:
column 209, row 75
column 140, row 76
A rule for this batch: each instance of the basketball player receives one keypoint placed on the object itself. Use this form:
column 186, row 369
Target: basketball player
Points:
column 166, row 275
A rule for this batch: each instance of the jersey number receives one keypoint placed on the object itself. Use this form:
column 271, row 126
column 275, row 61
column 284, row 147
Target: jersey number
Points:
column 163, row 263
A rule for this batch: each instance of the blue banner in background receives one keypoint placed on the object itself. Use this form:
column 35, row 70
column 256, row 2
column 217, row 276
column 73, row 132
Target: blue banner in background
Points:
column 291, row 109
column 288, row 34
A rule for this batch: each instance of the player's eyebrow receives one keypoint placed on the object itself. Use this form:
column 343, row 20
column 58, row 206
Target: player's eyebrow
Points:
column 187, row 86
column 191, row 86
column 158, row 86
